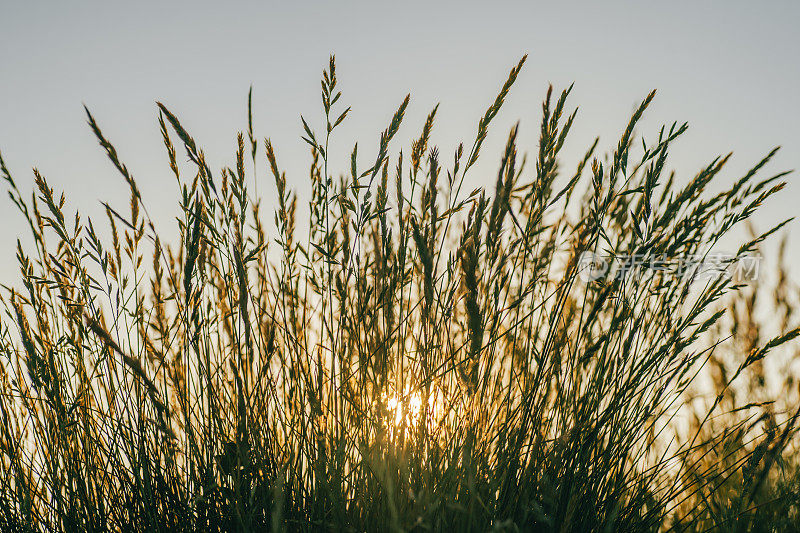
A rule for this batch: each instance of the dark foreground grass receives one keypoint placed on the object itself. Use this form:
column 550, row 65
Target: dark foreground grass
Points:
column 417, row 357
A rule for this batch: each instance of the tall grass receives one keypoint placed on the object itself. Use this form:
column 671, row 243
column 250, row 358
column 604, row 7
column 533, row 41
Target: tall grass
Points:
column 414, row 357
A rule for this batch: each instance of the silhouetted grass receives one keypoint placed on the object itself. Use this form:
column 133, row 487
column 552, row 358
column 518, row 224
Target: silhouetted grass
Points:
column 415, row 358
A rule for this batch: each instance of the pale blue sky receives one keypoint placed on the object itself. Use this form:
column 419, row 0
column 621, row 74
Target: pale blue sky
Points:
column 728, row 68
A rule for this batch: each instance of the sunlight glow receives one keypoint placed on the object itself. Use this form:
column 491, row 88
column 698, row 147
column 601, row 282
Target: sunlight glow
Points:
column 407, row 409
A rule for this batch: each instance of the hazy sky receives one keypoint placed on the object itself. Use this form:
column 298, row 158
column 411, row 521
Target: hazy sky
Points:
column 728, row 68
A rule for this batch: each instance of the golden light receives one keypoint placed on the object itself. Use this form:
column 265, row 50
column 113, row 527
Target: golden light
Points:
column 407, row 409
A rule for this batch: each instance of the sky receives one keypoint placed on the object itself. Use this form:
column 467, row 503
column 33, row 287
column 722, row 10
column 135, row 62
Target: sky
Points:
column 728, row 68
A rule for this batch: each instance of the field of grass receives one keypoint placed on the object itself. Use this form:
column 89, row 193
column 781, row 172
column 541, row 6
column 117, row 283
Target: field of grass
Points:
column 417, row 357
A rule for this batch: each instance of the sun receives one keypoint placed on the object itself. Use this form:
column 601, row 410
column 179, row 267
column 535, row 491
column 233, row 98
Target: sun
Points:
column 408, row 408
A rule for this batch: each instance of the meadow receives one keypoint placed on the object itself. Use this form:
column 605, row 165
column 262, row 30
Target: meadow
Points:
column 416, row 356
